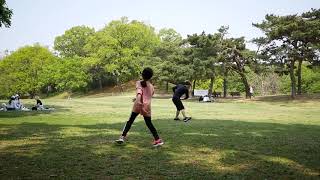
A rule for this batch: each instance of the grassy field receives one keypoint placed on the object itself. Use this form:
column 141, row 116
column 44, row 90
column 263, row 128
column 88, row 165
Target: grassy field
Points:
column 270, row 138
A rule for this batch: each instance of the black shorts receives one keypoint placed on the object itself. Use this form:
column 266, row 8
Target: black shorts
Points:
column 178, row 103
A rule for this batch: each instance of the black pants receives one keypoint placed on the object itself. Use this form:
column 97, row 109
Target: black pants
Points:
column 147, row 121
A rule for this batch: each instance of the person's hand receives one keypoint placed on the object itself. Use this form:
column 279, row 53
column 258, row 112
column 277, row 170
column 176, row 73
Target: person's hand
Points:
column 138, row 100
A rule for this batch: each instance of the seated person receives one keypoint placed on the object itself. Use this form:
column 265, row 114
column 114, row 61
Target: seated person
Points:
column 39, row 106
column 206, row 98
column 18, row 104
column 11, row 104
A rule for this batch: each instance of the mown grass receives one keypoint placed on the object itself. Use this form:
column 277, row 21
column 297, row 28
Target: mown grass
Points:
column 228, row 139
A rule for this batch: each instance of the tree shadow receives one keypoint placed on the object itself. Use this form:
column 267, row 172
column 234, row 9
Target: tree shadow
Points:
column 201, row 149
column 17, row 114
column 287, row 98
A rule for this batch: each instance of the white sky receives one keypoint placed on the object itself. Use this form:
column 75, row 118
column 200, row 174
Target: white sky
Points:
column 42, row 20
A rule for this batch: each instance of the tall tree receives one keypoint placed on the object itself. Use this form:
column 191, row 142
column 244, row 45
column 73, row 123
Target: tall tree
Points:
column 5, row 14
column 70, row 74
column 311, row 40
column 166, row 57
column 205, row 48
column 238, row 58
column 292, row 36
column 222, row 57
column 73, row 41
column 122, row 46
column 24, row 70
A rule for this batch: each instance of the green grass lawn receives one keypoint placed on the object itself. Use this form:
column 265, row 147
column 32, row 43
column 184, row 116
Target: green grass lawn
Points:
column 229, row 139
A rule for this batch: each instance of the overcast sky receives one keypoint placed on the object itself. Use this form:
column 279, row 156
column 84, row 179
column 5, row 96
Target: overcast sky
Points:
column 42, row 20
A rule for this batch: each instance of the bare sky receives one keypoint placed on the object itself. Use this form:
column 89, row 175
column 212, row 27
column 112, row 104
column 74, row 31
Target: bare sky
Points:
column 42, row 20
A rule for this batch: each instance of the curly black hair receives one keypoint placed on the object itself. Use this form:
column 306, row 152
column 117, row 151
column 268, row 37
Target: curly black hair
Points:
column 147, row 74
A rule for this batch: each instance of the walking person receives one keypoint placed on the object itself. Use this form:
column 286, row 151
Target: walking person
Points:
column 142, row 105
column 251, row 91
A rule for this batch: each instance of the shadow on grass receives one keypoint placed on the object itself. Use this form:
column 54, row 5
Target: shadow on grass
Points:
column 201, row 149
column 287, row 98
column 17, row 114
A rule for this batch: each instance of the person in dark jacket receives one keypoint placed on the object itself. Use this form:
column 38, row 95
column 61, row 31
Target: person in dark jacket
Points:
column 178, row 91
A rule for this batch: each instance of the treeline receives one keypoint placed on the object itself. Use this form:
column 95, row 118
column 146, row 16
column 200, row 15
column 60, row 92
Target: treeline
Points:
column 84, row 59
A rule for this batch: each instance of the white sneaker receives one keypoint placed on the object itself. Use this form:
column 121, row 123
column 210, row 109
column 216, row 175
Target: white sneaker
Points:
column 120, row 140
column 186, row 119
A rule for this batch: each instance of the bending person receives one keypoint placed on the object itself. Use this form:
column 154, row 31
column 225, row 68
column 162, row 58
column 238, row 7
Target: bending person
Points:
column 178, row 91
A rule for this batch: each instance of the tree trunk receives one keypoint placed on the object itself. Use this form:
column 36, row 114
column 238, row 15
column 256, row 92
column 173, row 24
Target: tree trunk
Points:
column 31, row 94
column 193, row 87
column 119, row 84
column 167, row 86
column 225, row 82
column 211, row 86
column 245, row 83
column 299, row 77
column 263, row 88
column 100, row 83
column 293, row 80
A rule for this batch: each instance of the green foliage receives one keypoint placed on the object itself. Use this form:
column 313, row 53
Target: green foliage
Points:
column 169, row 60
column 285, row 84
column 5, row 14
column 23, row 70
column 71, row 74
column 72, row 42
column 117, row 53
column 68, row 74
column 32, row 68
column 204, row 52
column 235, row 83
column 291, row 38
column 310, row 79
column 238, row 59
column 121, row 47
column 205, row 84
column 169, row 37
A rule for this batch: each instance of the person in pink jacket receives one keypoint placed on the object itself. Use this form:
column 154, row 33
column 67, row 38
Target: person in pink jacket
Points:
column 142, row 105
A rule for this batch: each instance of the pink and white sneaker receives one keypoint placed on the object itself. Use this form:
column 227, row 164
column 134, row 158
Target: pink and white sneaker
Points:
column 158, row 142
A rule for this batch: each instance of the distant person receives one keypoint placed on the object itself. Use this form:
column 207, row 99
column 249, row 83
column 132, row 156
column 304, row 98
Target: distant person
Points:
column 206, row 98
column 18, row 103
column 49, row 89
column 142, row 105
column 251, row 91
column 11, row 106
column 14, row 104
column 178, row 91
column 39, row 105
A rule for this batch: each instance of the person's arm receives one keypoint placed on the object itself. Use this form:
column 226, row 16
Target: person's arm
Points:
column 174, row 89
column 138, row 92
column 187, row 94
column 138, row 99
